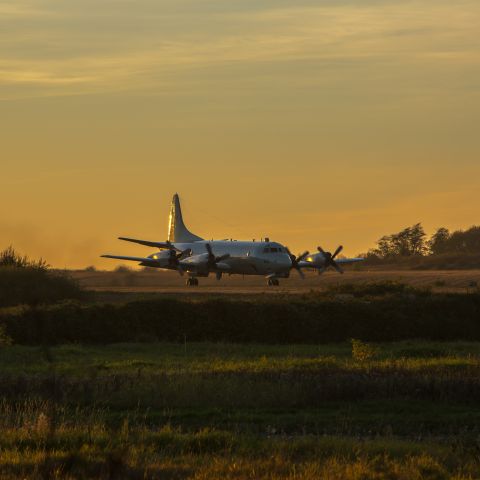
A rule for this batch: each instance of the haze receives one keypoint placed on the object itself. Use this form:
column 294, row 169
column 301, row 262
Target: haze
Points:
column 311, row 122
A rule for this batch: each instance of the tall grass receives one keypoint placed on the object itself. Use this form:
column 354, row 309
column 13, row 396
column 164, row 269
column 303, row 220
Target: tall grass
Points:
column 86, row 445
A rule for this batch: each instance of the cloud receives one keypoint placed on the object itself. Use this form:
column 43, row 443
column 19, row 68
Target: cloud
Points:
column 85, row 51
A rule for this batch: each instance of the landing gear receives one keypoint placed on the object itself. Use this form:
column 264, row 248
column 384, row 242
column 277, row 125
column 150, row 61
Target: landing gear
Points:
column 192, row 282
column 273, row 282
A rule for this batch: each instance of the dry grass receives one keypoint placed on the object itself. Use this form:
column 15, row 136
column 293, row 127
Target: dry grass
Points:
column 171, row 282
column 83, row 445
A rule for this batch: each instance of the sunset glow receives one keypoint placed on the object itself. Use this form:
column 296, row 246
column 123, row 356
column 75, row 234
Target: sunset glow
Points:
column 311, row 122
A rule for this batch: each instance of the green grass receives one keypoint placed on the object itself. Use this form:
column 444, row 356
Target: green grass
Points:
column 170, row 358
column 320, row 384
column 215, row 410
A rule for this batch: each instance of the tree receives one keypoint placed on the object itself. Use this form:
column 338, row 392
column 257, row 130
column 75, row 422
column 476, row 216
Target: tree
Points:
column 408, row 242
column 438, row 242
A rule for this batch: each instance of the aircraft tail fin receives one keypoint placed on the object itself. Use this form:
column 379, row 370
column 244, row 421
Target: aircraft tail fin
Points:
column 177, row 231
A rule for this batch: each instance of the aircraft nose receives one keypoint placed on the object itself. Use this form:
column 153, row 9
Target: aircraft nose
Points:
column 286, row 261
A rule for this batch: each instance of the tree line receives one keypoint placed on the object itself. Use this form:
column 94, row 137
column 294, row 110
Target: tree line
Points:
column 414, row 242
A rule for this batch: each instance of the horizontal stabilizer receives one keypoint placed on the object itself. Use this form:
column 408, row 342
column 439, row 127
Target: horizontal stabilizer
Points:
column 133, row 259
column 148, row 243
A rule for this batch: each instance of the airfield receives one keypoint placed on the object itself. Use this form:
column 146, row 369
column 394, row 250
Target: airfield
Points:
column 165, row 282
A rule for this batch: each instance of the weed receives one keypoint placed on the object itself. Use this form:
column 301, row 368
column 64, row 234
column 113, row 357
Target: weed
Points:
column 362, row 351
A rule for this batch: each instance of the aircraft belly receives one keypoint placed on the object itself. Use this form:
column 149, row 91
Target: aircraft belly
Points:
column 242, row 267
column 253, row 266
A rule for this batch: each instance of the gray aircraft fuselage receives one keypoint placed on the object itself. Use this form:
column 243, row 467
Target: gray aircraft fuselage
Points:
column 245, row 258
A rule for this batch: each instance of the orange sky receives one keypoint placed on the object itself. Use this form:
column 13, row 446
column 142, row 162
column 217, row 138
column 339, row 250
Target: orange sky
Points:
column 312, row 122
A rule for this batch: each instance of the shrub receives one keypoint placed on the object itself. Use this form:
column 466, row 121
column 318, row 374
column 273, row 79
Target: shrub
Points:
column 270, row 320
column 24, row 281
column 11, row 258
column 123, row 269
column 361, row 351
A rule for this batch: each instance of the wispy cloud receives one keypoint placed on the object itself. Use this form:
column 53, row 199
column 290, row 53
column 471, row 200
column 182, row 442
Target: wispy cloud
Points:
column 83, row 52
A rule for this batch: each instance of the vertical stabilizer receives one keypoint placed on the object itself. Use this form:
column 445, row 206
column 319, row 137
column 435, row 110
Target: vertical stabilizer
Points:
column 177, row 231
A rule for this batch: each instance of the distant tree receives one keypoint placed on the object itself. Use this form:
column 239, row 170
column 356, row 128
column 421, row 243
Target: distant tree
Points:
column 90, row 268
column 408, row 242
column 416, row 240
column 438, row 242
column 467, row 241
column 123, row 269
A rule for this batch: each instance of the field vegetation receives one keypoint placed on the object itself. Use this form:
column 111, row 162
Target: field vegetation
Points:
column 200, row 410
column 357, row 381
column 26, row 281
column 374, row 312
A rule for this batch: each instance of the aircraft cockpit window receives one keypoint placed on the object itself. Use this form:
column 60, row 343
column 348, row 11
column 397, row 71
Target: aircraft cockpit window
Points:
column 272, row 250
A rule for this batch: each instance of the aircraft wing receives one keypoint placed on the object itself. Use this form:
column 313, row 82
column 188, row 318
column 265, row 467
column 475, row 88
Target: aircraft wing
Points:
column 148, row 243
column 340, row 261
column 343, row 261
column 133, row 259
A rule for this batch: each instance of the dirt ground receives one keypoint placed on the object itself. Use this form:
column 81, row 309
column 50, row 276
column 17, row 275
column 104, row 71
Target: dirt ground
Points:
column 172, row 282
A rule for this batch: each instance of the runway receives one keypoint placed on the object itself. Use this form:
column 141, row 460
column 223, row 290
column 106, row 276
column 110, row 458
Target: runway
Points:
column 171, row 283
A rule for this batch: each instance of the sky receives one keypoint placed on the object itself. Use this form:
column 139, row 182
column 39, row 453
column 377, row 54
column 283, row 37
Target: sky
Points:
column 319, row 122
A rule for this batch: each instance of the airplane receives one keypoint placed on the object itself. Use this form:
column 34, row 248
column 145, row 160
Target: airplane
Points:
column 188, row 253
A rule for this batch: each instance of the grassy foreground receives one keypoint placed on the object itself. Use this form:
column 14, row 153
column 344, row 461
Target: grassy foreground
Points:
column 94, row 451
column 405, row 410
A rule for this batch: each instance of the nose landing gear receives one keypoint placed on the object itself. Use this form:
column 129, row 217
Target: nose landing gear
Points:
column 192, row 282
column 273, row 282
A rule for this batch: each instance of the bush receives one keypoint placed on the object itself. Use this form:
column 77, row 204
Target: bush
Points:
column 270, row 320
column 24, row 281
column 361, row 351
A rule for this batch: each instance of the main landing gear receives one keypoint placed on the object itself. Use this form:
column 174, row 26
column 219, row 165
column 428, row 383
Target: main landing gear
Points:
column 192, row 282
column 273, row 282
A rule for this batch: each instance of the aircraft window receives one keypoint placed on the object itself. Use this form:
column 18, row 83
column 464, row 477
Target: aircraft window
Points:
column 273, row 249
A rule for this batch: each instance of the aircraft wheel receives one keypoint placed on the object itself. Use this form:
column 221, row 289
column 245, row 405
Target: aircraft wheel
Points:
column 195, row 281
column 276, row 282
column 191, row 282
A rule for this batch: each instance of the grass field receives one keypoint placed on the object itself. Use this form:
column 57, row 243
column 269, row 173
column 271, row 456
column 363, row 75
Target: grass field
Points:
column 202, row 410
column 150, row 382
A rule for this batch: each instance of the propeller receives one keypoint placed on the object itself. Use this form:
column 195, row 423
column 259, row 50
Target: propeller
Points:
column 330, row 259
column 295, row 261
column 212, row 260
column 175, row 256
